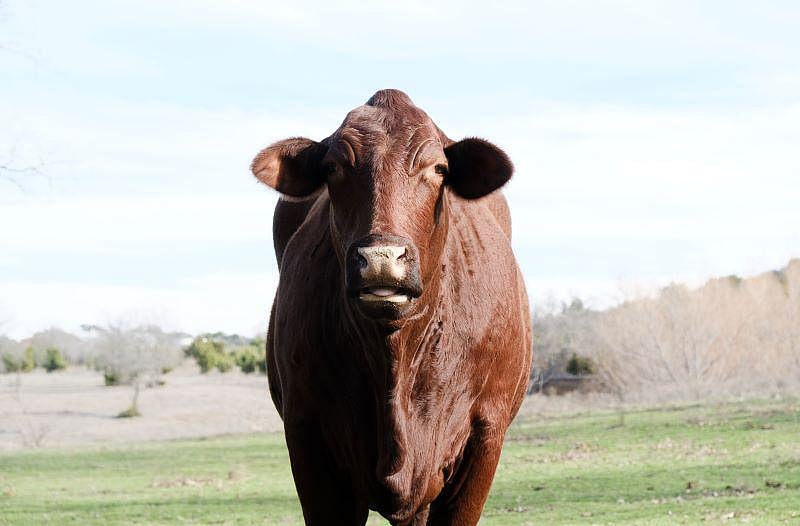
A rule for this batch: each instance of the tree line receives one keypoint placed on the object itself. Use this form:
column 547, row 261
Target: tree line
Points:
column 137, row 356
column 732, row 336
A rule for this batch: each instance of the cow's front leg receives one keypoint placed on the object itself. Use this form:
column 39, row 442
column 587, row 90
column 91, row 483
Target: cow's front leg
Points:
column 325, row 492
column 462, row 500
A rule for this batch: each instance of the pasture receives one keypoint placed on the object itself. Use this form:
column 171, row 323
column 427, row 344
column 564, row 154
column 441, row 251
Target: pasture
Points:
column 711, row 464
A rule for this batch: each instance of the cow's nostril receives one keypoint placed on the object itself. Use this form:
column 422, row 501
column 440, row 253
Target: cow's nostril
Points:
column 402, row 257
column 362, row 261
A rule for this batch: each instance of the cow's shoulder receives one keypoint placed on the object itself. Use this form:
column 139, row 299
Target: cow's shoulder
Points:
column 486, row 284
column 480, row 238
column 487, row 295
column 498, row 206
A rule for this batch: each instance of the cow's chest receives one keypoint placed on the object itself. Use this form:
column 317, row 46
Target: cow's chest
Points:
column 400, row 439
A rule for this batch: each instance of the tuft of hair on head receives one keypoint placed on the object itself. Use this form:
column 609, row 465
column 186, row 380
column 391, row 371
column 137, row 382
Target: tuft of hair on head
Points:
column 389, row 99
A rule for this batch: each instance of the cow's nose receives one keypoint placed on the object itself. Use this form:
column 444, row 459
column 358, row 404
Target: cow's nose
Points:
column 382, row 270
column 382, row 262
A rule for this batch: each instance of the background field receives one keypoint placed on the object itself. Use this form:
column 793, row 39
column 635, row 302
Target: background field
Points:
column 725, row 463
column 74, row 408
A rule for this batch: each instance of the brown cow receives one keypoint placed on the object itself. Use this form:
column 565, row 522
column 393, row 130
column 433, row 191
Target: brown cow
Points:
column 399, row 341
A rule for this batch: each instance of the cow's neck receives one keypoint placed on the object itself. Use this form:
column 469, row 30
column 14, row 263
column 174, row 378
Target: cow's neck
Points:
column 406, row 363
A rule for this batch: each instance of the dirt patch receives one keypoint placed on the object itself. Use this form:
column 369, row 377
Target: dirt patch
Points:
column 73, row 407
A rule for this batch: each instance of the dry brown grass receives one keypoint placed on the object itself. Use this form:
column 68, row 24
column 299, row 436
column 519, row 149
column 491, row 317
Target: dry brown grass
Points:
column 76, row 408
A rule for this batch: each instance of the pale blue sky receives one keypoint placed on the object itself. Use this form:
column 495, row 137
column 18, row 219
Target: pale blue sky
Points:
column 654, row 141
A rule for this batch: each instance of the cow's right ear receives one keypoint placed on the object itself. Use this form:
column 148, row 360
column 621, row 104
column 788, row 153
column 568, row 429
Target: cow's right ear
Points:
column 476, row 167
column 291, row 166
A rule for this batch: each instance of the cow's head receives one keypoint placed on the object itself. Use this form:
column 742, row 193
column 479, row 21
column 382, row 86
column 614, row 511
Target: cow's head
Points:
column 385, row 169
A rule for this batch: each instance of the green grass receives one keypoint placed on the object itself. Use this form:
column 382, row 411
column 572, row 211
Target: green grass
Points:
column 712, row 464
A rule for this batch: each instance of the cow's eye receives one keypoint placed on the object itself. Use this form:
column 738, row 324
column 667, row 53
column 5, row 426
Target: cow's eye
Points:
column 441, row 169
column 331, row 169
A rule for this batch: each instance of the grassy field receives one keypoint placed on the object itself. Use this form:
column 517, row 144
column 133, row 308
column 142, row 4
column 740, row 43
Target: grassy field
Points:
column 712, row 464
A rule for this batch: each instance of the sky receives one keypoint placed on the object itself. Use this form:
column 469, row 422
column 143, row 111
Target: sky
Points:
column 654, row 141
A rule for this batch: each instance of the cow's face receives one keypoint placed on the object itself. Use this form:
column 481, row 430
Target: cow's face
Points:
column 385, row 170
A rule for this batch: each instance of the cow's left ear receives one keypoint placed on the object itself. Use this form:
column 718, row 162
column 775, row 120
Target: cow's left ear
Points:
column 476, row 167
column 291, row 166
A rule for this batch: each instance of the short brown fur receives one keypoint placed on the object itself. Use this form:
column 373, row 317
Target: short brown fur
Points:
column 401, row 411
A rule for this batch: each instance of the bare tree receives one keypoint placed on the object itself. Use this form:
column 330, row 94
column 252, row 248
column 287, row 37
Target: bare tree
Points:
column 731, row 335
column 16, row 174
column 12, row 170
column 69, row 345
column 135, row 356
column 33, row 434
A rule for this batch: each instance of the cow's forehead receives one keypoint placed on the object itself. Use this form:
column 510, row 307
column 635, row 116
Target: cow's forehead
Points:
column 389, row 121
column 366, row 122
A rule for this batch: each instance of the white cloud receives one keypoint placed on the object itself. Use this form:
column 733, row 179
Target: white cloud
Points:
column 138, row 144
column 619, row 31
column 625, row 189
column 235, row 303
column 642, row 172
column 620, row 180
column 90, row 224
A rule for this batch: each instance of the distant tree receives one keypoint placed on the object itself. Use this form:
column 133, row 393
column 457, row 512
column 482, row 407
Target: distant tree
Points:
column 14, row 360
column 224, row 362
column 12, row 355
column 247, row 359
column 222, row 352
column 559, row 332
column 74, row 350
column 727, row 336
column 53, row 360
column 11, row 363
column 28, row 362
column 580, row 365
column 251, row 357
column 209, row 353
column 11, row 170
column 260, row 345
column 135, row 356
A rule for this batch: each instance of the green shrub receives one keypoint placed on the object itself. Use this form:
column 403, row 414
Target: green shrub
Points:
column 28, row 362
column 224, row 362
column 53, row 360
column 207, row 353
column 246, row 359
column 11, row 363
column 580, row 366
column 210, row 353
column 112, row 377
column 131, row 412
column 207, row 360
column 259, row 346
column 262, row 362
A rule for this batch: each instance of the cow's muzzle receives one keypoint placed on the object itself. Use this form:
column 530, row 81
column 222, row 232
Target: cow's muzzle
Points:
column 383, row 274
